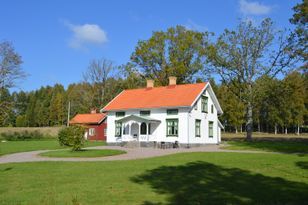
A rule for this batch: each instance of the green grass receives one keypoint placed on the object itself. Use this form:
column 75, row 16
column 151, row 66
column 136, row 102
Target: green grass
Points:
column 185, row 178
column 9, row 147
column 83, row 153
column 271, row 146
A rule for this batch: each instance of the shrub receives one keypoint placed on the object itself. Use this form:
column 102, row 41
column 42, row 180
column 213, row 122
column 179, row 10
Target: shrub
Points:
column 72, row 136
column 23, row 135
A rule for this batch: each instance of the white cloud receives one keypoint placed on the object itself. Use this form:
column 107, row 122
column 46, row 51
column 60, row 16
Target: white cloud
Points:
column 254, row 8
column 191, row 25
column 86, row 34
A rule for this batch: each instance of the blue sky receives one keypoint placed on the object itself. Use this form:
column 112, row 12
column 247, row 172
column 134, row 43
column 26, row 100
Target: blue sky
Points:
column 57, row 39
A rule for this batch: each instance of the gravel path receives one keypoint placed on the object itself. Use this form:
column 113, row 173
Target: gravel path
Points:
column 131, row 153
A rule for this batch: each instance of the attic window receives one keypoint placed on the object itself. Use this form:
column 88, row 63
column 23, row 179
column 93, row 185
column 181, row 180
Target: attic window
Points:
column 172, row 111
column 145, row 112
column 120, row 114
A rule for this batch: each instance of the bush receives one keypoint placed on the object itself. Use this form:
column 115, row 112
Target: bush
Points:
column 23, row 135
column 72, row 136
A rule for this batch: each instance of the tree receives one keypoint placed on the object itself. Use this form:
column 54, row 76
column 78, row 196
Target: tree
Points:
column 234, row 114
column 97, row 75
column 294, row 84
column 177, row 52
column 300, row 35
column 10, row 73
column 242, row 56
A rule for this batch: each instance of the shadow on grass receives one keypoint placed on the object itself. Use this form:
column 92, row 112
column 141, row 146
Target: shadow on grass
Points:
column 303, row 165
column 272, row 146
column 205, row 183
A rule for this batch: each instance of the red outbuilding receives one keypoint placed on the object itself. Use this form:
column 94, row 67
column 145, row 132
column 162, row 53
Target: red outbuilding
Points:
column 96, row 124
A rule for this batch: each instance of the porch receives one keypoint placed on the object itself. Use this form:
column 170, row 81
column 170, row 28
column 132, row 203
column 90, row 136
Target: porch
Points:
column 137, row 128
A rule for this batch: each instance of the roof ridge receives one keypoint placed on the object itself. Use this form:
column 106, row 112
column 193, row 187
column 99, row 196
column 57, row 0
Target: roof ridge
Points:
column 165, row 86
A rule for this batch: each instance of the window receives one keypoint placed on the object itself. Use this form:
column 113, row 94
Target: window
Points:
column 91, row 131
column 120, row 114
column 212, row 109
column 126, row 129
column 143, row 129
column 172, row 127
column 211, row 125
column 145, row 112
column 198, row 128
column 204, row 100
column 118, row 129
column 172, row 111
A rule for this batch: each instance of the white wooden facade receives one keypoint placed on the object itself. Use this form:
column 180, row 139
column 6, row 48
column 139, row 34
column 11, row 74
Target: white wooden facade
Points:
column 135, row 126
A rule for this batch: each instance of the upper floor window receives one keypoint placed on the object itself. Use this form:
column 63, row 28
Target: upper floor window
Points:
column 172, row 111
column 145, row 112
column 120, row 114
column 212, row 109
column 204, row 101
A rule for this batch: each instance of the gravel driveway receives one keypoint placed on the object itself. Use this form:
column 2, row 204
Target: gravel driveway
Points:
column 131, row 153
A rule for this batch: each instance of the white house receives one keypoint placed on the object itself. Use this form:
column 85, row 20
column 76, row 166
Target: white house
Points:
column 186, row 114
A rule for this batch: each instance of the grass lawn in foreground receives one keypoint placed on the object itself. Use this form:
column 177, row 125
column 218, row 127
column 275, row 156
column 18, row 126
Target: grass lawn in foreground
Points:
column 9, row 147
column 83, row 153
column 271, row 146
column 185, row 178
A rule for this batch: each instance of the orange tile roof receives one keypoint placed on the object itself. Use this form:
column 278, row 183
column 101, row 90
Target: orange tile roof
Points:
column 94, row 118
column 168, row 96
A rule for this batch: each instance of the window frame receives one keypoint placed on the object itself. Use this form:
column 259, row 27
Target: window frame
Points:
column 204, row 104
column 212, row 109
column 198, row 122
column 176, row 129
column 91, row 131
column 211, row 127
column 117, row 114
column 172, row 111
column 145, row 112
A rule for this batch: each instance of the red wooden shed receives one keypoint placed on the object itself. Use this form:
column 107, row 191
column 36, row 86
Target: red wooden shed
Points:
column 96, row 124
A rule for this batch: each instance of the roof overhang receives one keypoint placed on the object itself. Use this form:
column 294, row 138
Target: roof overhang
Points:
column 220, row 125
column 138, row 118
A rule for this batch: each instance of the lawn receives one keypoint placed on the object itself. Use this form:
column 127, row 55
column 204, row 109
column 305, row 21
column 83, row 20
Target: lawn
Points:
column 83, row 153
column 185, row 178
column 271, row 146
column 31, row 145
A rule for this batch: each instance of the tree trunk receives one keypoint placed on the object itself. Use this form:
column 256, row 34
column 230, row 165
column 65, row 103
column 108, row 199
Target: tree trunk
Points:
column 297, row 130
column 286, row 130
column 249, row 122
column 235, row 130
column 241, row 128
column 275, row 129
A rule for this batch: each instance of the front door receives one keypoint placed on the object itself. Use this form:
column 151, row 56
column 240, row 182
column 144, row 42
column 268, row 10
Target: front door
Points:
column 135, row 131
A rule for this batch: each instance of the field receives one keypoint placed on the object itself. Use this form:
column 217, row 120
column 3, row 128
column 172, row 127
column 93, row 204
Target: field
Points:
column 262, row 135
column 185, row 178
column 190, row 178
column 51, row 131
